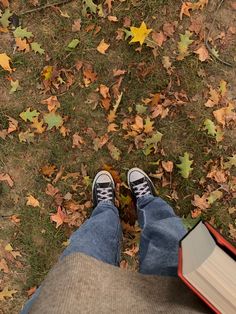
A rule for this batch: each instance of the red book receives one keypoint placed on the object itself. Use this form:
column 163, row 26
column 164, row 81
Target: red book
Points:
column 207, row 266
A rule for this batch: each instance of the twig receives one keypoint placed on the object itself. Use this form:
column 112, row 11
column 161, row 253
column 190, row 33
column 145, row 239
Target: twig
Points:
column 48, row 5
column 208, row 35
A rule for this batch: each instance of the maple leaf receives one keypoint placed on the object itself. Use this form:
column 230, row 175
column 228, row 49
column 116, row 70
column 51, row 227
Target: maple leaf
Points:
column 48, row 170
column 29, row 115
column 201, row 202
column 26, row 137
column 159, row 38
column 139, row 34
column 22, row 45
column 184, row 44
column 22, row 33
column 38, row 125
column 7, row 178
column 59, row 217
column 76, row 25
column 5, row 62
column 7, row 293
column 4, row 19
column 15, row 85
column 102, row 47
column 51, row 190
column 32, row 201
column 114, row 151
column 53, row 120
column 185, row 165
column 37, row 48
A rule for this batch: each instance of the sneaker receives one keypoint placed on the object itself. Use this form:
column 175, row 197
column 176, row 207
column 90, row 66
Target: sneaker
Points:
column 139, row 183
column 103, row 188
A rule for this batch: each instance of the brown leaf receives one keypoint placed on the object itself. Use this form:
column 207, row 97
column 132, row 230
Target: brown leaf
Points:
column 200, row 202
column 51, row 190
column 214, row 98
column 52, row 103
column 58, row 175
column 89, row 75
column 115, row 174
column 196, row 24
column 148, row 126
column 109, row 4
column 118, row 72
column 232, row 231
column 169, row 29
column 167, row 165
column 15, row 219
column 7, row 178
column 102, row 47
column 77, row 140
column 225, row 114
column 104, row 91
column 99, row 142
column 5, row 3
column 112, row 18
column 138, row 125
column 203, row 53
column 78, row 65
column 217, row 175
column 112, row 127
column 133, row 251
column 4, row 266
column 106, row 103
column 159, row 38
column 127, row 22
column 49, row 170
column 59, row 217
column 7, row 293
column 76, row 25
column 31, row 201
column 13, row 125
column 196, row 213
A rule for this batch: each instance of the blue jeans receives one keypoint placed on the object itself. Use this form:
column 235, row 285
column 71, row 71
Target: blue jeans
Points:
column 100, row 237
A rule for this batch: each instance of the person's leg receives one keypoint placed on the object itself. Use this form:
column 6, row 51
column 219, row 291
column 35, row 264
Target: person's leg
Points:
column 161, row 232
column 100, row 235
column 161, row 228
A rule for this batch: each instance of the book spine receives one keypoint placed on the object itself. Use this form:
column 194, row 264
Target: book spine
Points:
column 181, row 276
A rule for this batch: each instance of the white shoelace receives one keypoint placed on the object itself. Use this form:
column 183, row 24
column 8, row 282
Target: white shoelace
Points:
column 141, row 189
column 104, row 194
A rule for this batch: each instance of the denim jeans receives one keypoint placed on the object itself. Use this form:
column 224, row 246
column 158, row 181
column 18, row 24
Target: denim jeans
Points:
column 100, row 237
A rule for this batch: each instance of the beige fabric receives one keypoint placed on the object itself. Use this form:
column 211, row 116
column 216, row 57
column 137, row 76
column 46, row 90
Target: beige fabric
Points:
column 82, row 284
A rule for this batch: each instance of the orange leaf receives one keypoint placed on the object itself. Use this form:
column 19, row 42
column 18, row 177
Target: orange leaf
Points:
column 13, row 124
column 138, row 125
column 104, row 91
column 22, row 45
column 4, row 266
column 51, row 190
column 203, row 53
column 200, row 202
column 31, row 201
column 76, row 25
column 52, row 103
column 5, row 3
column 59, row 217
column 7, row 178
column 148, row 126
column 102, row 47
column 167, row 165
column 106, row 103
column 77, row 140
column 48, row 171
column 224, row 114
column 5, row 62
column 31, row 291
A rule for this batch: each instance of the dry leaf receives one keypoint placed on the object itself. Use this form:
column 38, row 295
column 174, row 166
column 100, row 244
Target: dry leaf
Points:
column 31, row 291
column 167, row 165
column 77, row 140
column 76, row 25
column 201, row 202
column 225, row 114
column 59, row 217
column 214, row 98
column 118, row 72
column 7, row 293
column 31, row 201
column 5, row 62
column 7, row 178
column 13, row 125
column 22, row 45
column 104, row 91
column 112, row 18
column 5, row 3
column 109, row 4
column 102, row 47
column 52, row 103
column 51, row 190
column 217, row 175
column 49, row 170
column 203, row 53
column 159, row 38
column 4, row 266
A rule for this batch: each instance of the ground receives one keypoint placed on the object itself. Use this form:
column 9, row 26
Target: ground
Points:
column 112, row 103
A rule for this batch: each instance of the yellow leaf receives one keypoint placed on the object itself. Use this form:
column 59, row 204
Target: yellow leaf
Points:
column 38, row 125
column 139, row 33
column 5, row 62
column 31, row 201
column 102, row 47
column 148, row 126
column 22, row 45
column 6, row 293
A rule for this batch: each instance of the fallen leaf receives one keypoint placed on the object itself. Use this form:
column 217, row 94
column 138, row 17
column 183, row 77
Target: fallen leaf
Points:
column 201, row 202
column 139, row 34
column 13, row 125
column 7, row 293
column 203, row 53
column 104, row 91
column 233, row 5
column 187, row 6
column 99, row 142
column 148, row 126
column 59, row 217
column 118, row 72
column 217, row 175
column 214, row 196
column 51, row 190
column 9, row 248
column 112, row 18
column 184, row 44
column 76, row 27
column 102, row 47
column 232, row 231
column 49, row 170
column 4, row 266
column 22, row 45
column 169, row 28
column 4, row 19
column 5, row 62
column 214, row 98
column 185, row 165
column 31, row 291
column 26, row 137
column 159, row 38
column 20, row 32
column 15, row 85
column 167, row 165
column 77, row 140
column 231, row 162
column 29, row 115
column 114, row 151
column 7, row 178
column 109, row 4
column 133, row 251
column 38, row 125
column 32, row 201
column 52, row 103
column 53, row 120
column 196, row 213
column 73, row 44
column 37, row 48
column 224, row 114
column 5, row 3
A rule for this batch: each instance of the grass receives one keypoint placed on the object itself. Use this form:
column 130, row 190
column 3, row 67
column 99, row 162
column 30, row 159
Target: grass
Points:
column 36, row 236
